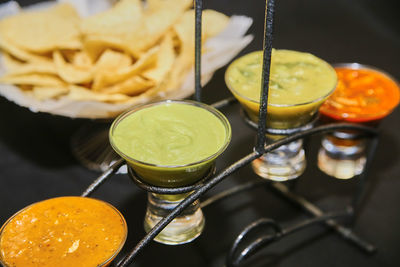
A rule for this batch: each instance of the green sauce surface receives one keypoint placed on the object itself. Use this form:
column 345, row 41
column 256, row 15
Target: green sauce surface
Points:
column 170, row 134
column 296, row 77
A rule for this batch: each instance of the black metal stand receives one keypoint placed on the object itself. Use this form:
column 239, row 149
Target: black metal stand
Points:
column 235, row 256
column 215, row 179
column 169, row 191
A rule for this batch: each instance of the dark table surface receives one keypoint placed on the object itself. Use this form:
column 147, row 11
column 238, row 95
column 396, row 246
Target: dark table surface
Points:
column 36, row 161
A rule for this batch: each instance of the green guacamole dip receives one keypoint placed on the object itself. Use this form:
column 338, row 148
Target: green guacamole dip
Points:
column 296, row 77
column 299, row 84
column 170, row 134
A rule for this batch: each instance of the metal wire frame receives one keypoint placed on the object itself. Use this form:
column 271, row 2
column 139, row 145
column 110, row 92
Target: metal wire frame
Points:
column 237, row 256
column 368, row 132
column 287, row 194
column 273, row 131
column 260, row 147
column 167, row 190
column 264, row 240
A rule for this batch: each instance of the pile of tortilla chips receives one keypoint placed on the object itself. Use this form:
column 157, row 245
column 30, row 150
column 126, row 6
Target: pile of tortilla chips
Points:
column 135, row 48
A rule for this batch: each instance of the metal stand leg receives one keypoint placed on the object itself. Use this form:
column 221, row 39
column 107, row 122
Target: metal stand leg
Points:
column 312, row 209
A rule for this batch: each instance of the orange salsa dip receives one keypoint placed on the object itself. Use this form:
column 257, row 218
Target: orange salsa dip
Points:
column 64, row 231
column 362, row 95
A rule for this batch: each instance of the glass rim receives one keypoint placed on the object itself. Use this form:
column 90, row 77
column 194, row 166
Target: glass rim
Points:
column 230, row 87
column 365, row 117
column 104, row 202
column 214, row 111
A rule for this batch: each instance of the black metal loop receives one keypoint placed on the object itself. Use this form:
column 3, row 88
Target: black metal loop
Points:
column 264, row 222
column 279, row 233
column 272, row 131
column 166, row 190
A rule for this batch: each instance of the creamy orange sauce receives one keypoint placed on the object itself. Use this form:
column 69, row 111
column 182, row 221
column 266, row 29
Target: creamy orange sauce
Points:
column 361, row 95
column 65, row 231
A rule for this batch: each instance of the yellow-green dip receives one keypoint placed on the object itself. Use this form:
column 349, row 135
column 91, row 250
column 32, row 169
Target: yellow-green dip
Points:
column 169, row 134
column 296, row 77
column 299, row 84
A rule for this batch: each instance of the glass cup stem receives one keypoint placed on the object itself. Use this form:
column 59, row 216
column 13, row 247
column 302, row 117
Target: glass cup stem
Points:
column 285, row 163
column 183, row 229
column 342, row 156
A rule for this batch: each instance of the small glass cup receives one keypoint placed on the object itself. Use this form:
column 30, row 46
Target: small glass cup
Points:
column 343, row 153
column 101, row 264
column 190, row 223
column 288, row 161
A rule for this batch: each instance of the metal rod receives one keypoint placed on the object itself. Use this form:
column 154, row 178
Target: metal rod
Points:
column 225, row 173
column 361, row 190
column 103, row 177
column 267, row 48
column 198, row 7
column 345, row 232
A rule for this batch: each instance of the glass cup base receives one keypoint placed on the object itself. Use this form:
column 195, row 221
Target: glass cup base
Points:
column 183, row 229
column 342, row 158
column 340, row 168
column 284, row 163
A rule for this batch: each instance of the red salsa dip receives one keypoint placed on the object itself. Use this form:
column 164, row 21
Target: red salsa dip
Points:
column 361, row 95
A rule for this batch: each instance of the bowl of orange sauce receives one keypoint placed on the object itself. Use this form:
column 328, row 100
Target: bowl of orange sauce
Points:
column 363, row 94
column 63, row 231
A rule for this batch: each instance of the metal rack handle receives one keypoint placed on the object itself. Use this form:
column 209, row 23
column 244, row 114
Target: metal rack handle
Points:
column 258, row 243
column 265, row 240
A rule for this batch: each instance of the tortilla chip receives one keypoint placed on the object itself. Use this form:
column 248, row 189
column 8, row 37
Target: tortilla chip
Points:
column 135, row 52
column 81, row 60
column 165, row 60
column 182, row 65
column 105, row 79
column 19, row 53
column 213, row 23
column 111, row 28
column 10, row 62
column 94, row 46
column 36, row 79
column 44, row 93
column 122, row 19
column 79, row 93
column 156, row 23
column 153, row 5
column 31, row 68
column 129, row 28
column 69, row 72
column 132, row 86
column 111, row 60
column 43, row 31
